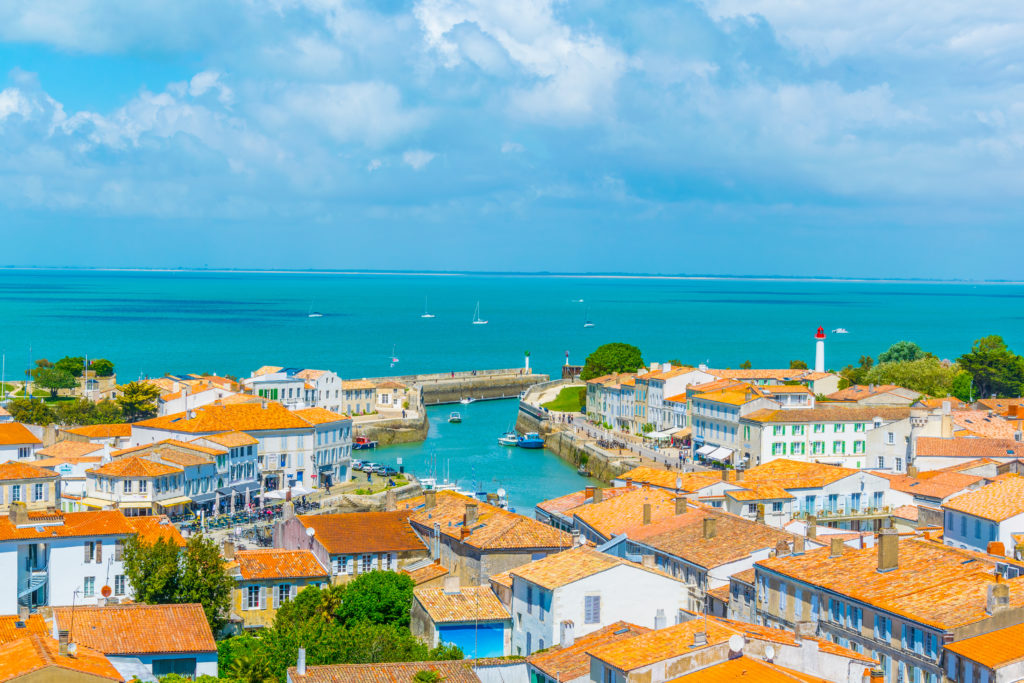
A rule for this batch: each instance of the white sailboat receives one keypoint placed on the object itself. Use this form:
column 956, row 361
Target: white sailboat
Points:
column 312, row 313
column 394, row 358
column 476, row 315
column 426, row 311
column 586, row 320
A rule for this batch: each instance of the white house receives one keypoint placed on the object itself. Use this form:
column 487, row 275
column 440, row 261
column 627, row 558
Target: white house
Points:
column 297, row 387
column 610, row 400
column 589, row 590
column 71, row 459
column 17, row 442
column 988, row 519
column 661, row 382
column 715, row 410
column 189, row 397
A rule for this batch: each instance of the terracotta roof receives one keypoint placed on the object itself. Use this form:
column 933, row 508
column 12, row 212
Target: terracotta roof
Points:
column 396, row 672
column 753, row 373
column 364, row 532
column 66, row 524
column 151, row 528
column 135, row 466
column 626, row 511
column 267, row 370
column 105, row 431
column 722, row 593
column 678, row 398
column 759, row 492
column 939, row 485
column 907, row 512
column 745, row 576
column 494, row 529
column 13, row 470
column 139, row 629
column 998, row 501
column 232, row 439
column 470, row 603
column 1000, row 405
column 570, row 663
column 320, row 416
column 273, row 563
column 391, row 384
column 747, row 669
column 994, row 649
column 735, row 538
column 569, row 566
column 980, row 423
column 15, row 433
column 422, row 575
column 357, row 384
column 830, row 413
column 933, row 446
column 502, row 579
column 784, row 637
column 242, row 417
column 573, row 500
column 70, row 449
column 656, row 646
column 184, row 459
column 168, row 445
column 796, row 474
column 936, row 403
column 39, row 653
column 858, row 391
column 733, row 396
column 687, row 482
column 933, row 584
column 9, row 630
column 786, row 389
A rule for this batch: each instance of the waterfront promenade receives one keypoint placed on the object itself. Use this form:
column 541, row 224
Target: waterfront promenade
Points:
column 440, row 388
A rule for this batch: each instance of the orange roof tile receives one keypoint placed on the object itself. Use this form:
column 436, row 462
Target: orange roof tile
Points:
column 746, row 669
column 397, row 672
column 626, row 511
column 136, row 629
column 830, row 413
column 736, row 396
column 151, row 528
column 169, row 444
column 135, row 466
column 759, row 492
column 9, row 629
column 319, row 416
column 39, row 653
column 15, row 433
column 13, row 470
column 432, row 571
column 656, row 646
column 994, row 649
column 980, row 423
column 786, row 389
column 1000, row 405
column 350, row 384
column 678, row 398
column 70, row 449
column 573, row 500
column 687, row 482
column 572, row 662
column 104, row 431
column 998, row 501
column 273, row 563
column 937, row 485
column 364, row 532
column 267, row 370
column 569, row 566
column 242, row 417
column 182, row 458
column 795, row 474
column 973, row 447
column 65, row 525
column 758, row 373
column 231, row 439
column 858, row 391
column 310, row 374
column 470, row 603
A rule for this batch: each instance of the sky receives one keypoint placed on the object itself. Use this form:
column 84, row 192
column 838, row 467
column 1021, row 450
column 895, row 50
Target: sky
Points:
column 882, row 138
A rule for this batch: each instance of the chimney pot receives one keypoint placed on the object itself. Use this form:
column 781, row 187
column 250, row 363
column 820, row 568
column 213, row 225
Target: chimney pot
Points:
column 300, row 664
column 577, row 541
column 996, row 548
column 18, row 513
column 62, row 642
column 836, row 548
column 798, row 545
column 998, row 598
column 450, row 585
column 599, row 493
column 471, row 511
column 888, row 550
column 812, row 527
column 648, row 561
column 709, row 527
column 781, row 549
column 567, row 635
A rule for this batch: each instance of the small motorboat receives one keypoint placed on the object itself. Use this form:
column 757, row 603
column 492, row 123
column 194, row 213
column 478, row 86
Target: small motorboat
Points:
column 455, row 418
column 582, row 471
column 509, row 438
column 362, row 443
column 530, row 440
column 840, row 330
column 466, row 401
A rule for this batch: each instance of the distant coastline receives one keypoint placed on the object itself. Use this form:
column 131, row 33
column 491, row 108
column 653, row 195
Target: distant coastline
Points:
column 537, row 274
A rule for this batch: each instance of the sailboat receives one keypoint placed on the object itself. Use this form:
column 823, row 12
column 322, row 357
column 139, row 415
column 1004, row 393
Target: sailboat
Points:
column 586, row 320
column 312, row 313
column 476, row 315
column 426, row 311
column 394, row 358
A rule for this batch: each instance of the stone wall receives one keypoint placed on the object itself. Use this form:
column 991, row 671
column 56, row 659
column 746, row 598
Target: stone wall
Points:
column 389, row 432
column 483, row 386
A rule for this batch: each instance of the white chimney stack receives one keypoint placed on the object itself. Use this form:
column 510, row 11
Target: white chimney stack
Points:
column 819, row 351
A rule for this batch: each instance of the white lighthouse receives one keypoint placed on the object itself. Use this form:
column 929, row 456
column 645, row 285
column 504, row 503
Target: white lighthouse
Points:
column 819, row 351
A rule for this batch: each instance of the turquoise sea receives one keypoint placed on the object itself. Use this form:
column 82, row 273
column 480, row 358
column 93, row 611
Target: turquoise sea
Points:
column 151, row 323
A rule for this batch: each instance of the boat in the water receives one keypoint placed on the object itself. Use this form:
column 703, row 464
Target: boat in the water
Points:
column 313, row 314
column 840, row 330
column 582, row 471
column 394, row 358
column 426, row 311
column 530, row 440
column 509, row 438
column 586, row 320
column 466, row 400
column 454, row 418
column 477, row 320
column 362, row 443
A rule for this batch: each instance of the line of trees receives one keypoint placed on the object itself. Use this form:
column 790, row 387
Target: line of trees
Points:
column 136, row 401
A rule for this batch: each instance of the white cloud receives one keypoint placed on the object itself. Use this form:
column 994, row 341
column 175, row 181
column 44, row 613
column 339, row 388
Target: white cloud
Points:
column 12, row 101
column 374, row 165
column 417, row 158
column 512, row 148
column 210, row 80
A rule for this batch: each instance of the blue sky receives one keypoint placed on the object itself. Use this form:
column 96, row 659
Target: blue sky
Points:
column 796, row 137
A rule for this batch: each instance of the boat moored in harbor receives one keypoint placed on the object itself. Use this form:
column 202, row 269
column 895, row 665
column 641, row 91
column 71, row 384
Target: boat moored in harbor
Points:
column 530, row 440
column 455, row 418
column 509, row 438
column 362, row 443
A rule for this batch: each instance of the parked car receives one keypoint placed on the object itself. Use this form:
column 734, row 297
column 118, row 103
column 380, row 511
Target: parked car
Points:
column 388, row 471
column 358, row 465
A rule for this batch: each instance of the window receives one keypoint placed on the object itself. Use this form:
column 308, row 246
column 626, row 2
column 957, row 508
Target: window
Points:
column 16, row 493
column 798, row 430
column 796, row 449
column 818, row 448
column 119, row 584
column 977, row 528
column 284, row 592
column 38, row 493
column 838, row 428
column 890, row 438
column 367, row 563
column 252, row 597
column 778, row 449
column 24, row 452
column 127, row 485
column 746, row 431
column 143, row 485
column 899, row 464
column 89, row 588
column 963, row 526
column 592, row 609
column 529, row 600
column 858, row 446
column 881, row 462
column 776, row 507
column 387, row 561
column 783, row 594
column 838, row 447
column 778, row 429
column 752, row 508
column 90, row 551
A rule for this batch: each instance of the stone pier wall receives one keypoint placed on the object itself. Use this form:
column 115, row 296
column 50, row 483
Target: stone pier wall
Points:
column 453, row 390
column 390, row 432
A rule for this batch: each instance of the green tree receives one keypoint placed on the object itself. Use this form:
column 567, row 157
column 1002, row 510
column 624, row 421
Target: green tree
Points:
column 108, row 412
column 377, row 597
column 75, row 365
column 202, row 578
column 84, row 412
column 609, row 358
column 102, row 367
column 152, row 570
column 138, row 400
column 856, row 375
column 247, row 669
column 797, row 365
column 901, row 352
column 31, row 412
column 54, row 379
column 926, row 374
column 963, row 387
column 995, row 368
column 746, row 365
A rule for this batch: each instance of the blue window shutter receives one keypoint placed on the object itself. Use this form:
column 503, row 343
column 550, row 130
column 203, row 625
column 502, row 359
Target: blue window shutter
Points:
column 888, row 629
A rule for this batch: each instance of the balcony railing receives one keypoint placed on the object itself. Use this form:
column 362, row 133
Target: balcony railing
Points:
column 843, row 513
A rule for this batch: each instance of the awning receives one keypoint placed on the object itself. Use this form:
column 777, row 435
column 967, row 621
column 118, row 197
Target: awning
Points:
column 719, row 454
column 171, row 502
column 134, row 504
column 663, row 434
column 704, row 450
column 681, row 433
column 96, row 502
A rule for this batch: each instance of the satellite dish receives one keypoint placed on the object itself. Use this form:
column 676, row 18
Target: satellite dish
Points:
column 106, row 591
column 310, row 531
column 736, row 643
column 72, row 648
column 501, row 493
column 769, row 653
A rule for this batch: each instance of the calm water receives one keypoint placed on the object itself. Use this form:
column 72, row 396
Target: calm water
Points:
column 471, row 454
column 153, row 323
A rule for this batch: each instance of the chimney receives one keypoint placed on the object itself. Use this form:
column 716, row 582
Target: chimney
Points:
column 679, row 482
column 888, row 550
column 567, row 633
column 812, row 527
column 681, row 505
column 463, row 532
column 18, row 513
column 739, row 475
column 588, row 493
column 450, row 585
column 390, row 501
column 228, row 550
column 62, row 643
column 998, row 598
column 647, row 513
column 429, row 499
column 877, row 676
column 760, row 513
column 577, row 541
column 709, row 527
column 300, row 664
column 470, row 514
column 798, row 545
column 836, row 549
column 289, row 509
column 805, row 629
column 660, row 621
column 655, row 366
column 781, row 549
column 912, row 471
column 700, row 639
column 599, row 494
column 648, row 561
column 725, row 475
column 23, row 613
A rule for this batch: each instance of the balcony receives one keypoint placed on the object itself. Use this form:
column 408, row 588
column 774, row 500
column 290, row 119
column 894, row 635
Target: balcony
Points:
column 842, row 514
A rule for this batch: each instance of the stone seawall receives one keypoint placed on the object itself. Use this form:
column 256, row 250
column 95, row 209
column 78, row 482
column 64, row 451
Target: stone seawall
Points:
column 390, row 432
column 562, row 443
column 482, row 387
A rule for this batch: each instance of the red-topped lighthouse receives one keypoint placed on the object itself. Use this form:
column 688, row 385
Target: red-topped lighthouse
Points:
column 819, row 350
